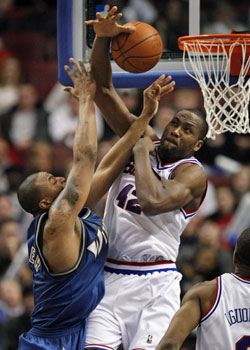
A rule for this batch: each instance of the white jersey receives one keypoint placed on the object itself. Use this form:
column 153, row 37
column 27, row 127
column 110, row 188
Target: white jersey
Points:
column 135, row 236
column 227, row 324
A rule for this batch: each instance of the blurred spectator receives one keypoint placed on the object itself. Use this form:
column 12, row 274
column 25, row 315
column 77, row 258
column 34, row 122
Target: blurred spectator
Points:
column 185, row 98
column 63, row 121
column 187, row 250
column 19, row 324
column 210, row 150
column 206, row 264
column 10, row 239
column 5, row 163
column 241, row 182
column 27, row 121
column 132, row 99
column 223, row 21
column 140, row 10
column 24, row 275
column 226, row 209
column 225, row 154
column 10, row 80
column 104, row 146
column 172, row 22
column 241, row 218
column 201, row 255
column 39, row 158
column 56, row 97
column 209, row 205
column 6, row 207
column 209, row 235
column 11, row 298
column 240, row 147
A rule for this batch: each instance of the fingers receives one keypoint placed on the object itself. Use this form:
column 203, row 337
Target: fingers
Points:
column 126, row 28
column 112, row 11
column 168, row 88
column 81, row 64
column 91, row 21
column 76, row 72
column 69, row 72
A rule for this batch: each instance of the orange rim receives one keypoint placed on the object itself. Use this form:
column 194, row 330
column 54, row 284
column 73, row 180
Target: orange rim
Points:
column 216, row 41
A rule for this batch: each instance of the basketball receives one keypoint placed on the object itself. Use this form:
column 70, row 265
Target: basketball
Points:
column 139, row 51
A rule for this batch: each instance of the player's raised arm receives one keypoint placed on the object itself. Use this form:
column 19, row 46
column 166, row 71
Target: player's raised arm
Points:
column 111, row 105
column 63, row 222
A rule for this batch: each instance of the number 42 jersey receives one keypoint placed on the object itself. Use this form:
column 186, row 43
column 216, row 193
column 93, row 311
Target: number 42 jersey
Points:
column 135, row 236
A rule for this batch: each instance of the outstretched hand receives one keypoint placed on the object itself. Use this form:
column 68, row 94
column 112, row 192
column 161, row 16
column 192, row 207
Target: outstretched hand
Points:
column 107, row 26
column 84, row 83
column 152, row 95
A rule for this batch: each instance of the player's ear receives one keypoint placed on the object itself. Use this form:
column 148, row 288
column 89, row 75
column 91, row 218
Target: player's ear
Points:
column 45, row 204
column 198, row 145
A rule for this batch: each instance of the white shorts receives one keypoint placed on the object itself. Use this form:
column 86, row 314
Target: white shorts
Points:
column 135, row 311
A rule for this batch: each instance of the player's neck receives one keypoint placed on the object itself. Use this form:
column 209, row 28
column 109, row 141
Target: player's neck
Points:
column 243, row 272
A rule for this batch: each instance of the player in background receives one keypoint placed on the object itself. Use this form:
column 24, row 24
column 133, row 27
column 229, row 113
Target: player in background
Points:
column 67, row 243
column 147, row 209
column 220, row 308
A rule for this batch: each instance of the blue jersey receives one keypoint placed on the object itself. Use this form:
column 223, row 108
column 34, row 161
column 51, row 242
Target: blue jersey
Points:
column 63, row 300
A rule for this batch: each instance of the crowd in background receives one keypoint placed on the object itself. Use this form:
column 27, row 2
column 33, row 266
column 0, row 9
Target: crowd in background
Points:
column 37, row 124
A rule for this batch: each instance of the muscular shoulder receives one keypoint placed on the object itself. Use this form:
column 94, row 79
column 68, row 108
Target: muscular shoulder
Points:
column 205, row 292
column 190, row 170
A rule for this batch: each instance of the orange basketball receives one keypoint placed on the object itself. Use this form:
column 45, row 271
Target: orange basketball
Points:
column 139, row 51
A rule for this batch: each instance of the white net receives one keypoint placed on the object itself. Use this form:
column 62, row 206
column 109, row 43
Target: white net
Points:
column 226, row 103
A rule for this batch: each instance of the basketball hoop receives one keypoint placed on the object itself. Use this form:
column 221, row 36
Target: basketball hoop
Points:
column 215, row 59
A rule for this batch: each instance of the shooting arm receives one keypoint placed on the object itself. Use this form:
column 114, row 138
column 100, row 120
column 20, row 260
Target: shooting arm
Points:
column 107, row 99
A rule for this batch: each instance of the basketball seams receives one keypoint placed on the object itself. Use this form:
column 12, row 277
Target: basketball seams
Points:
column 139, row 51
column 126, row 60
column 118, row 43
column 124, row 42
column 138, row 44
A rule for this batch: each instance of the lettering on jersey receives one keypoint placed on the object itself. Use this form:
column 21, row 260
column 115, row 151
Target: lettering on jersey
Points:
column 130, row 168
column 239, row 315
column 95, row 247
column 34, row 259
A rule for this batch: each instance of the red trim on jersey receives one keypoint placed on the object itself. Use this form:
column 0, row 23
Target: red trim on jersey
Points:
column 119, row 262
column 243, row 278
column 99, row 346
column 215, row 298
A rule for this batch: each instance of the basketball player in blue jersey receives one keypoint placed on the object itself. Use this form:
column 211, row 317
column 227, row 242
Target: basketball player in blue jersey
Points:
column 67, row 243
column 147, row 209
column 220, row 308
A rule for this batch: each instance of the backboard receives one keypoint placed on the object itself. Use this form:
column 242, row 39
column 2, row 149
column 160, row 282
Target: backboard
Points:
column 75, row 40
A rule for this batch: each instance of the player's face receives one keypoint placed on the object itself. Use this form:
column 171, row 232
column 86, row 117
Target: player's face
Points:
column 180, row 137
column 50, row 185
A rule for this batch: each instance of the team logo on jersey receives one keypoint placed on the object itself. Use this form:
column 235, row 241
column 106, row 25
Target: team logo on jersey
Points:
column 95, row 247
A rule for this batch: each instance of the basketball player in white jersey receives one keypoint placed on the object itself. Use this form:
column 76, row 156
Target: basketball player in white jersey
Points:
column 147, row 209
column 220, row 308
